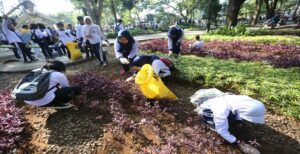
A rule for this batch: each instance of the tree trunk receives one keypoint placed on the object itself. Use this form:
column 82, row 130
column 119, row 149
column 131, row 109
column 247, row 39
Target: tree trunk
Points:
column 99, row 10
column 113, row 10
column 89, row 9
column 233, row 12
column 270, row 8
column 297, row 7
column 257, row 11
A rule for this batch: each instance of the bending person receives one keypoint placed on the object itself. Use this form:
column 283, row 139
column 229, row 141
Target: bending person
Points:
column 126, row 48
column 219, row 111
column 60, row 93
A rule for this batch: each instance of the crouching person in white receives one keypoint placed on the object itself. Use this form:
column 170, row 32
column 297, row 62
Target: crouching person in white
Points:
column 46, row 87
column 221, row 110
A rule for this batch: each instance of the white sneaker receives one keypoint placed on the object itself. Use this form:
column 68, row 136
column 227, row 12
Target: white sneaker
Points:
column 104, row 64
column 62, row 106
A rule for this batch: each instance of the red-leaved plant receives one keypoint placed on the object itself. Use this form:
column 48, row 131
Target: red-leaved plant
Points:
column 11, row 124
column 279, row 55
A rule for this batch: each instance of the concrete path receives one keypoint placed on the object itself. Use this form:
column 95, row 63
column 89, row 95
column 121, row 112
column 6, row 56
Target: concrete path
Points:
column 10, row 65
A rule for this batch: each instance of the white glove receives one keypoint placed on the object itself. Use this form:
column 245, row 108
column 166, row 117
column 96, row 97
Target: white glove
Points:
column 124, row 60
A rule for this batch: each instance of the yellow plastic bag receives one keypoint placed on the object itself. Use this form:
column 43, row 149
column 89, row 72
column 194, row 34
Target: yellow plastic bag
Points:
column 74, row 51
column 151, row 84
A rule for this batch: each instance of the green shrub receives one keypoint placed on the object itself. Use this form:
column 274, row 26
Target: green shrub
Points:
column 253, row 32
column 111, row 35
column 236, row 31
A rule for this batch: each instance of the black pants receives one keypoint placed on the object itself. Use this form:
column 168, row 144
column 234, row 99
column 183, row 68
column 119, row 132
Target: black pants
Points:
column 25, row 51
column 208, row 118
column 64, row 95
column 176, row 47
column 45, row 49
column 98, row 51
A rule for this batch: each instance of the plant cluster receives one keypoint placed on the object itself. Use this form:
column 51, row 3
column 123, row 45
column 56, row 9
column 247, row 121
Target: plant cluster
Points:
column 278, row 55
column 277, row 87
column 132, row 113
column 11, row 124
column 235, row 31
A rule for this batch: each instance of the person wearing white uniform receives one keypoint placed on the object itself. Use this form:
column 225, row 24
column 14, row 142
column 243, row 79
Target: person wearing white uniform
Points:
column 60, row 93
column 15, row 40
column 219, row 111
column 95, row 36
column 175, row 37
column 40, row 40
column 64, row 36
column 126, row 48
column 119, row 26
column 198, row 44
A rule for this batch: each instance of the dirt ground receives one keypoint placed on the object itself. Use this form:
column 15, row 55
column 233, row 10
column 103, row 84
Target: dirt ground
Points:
column 74, row 131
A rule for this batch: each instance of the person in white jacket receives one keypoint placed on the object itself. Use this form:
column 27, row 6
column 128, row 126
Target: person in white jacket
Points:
column 94, row 35
column 15, row 40
column 126, row 48
column 175, row 37
column 218, row 112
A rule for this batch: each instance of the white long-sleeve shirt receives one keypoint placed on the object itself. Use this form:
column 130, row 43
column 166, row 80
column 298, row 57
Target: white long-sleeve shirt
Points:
column 95, row 32
column 79, row 31
column 11, row 36
column 134, row 51
column 55, row 78
column 243, row 107
column 65, row 36
column 170, row 42
column 39, row 34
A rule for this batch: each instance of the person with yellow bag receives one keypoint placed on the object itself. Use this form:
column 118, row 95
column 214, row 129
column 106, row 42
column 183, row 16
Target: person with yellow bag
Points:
column 68, row 42
column 151, row 84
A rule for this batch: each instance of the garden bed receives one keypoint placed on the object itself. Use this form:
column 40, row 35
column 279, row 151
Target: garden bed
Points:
column 93, row 126
column 279, row 55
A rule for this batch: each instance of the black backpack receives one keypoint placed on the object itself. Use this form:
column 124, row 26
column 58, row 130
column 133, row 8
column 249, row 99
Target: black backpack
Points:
column 33, row 86
column 34, row 38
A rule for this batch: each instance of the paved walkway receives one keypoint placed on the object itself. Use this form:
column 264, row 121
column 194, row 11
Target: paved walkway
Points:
column 11, row 65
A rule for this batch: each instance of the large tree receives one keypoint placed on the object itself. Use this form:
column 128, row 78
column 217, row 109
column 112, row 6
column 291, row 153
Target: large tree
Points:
column 184, row 8
column 92, row 7
column 270, row 7
column 234, row 7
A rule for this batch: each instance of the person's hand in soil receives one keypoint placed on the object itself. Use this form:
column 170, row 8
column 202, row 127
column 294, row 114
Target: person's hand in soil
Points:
column 247, row 149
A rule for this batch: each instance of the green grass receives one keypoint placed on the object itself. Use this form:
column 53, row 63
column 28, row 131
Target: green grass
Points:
column 276, row 87
column 291, row 40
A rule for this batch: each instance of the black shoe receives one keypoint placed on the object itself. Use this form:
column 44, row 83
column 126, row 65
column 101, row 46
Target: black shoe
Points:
column 62, row 106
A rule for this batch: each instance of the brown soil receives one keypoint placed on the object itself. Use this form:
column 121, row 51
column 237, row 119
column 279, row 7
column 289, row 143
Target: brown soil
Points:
column 77, row 130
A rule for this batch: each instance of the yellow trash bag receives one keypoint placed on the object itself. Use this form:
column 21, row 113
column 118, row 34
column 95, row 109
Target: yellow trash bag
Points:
column 74, row 51
column 151, row 84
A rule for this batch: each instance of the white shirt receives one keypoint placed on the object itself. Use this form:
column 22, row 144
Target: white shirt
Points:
column 242, row 106
column 198, row 44
column 160, row 68
column 39, row 34
column 134, row 51
column 95, row 31
column 11, row 36
column 121, row 26
column 79, row 31
column 65, row 36
column 55, row 78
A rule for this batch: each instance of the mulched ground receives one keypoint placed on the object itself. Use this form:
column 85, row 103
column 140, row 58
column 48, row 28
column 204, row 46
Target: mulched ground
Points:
column 74, row 131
